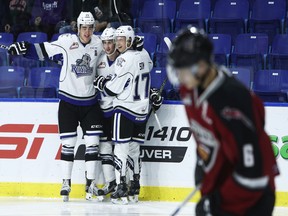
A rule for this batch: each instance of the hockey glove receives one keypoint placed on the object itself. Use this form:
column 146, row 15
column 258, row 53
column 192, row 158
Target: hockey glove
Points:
column 18, row 48
column 155, row 98
column 138, row 43
column 100, row 81
column 208, row 205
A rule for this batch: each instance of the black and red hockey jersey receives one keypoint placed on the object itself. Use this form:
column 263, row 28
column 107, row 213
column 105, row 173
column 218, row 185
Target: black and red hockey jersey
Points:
column 227, row 121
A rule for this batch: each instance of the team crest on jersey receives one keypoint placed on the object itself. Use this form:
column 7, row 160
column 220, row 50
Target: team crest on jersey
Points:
column 82, row 66
column 101, row 65
column 120, row 61
column 74, row 45
column 230, row 113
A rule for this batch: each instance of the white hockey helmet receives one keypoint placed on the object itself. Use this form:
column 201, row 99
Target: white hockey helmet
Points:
column 108, row 34
column 85, row 18
column 128, row 32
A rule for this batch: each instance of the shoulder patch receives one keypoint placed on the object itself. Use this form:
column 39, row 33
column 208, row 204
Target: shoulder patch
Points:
column 74, row 45
column 101, row 65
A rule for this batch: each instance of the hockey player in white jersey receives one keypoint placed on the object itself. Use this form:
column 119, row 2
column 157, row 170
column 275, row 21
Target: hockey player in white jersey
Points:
column 105, row 67
column 130, row 86
column 78, row 103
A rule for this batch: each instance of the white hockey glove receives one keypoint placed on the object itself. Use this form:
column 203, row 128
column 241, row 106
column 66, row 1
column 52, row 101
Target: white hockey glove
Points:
column 155, row 98
column 138, row 43
column 18, row 48
column 100, row 81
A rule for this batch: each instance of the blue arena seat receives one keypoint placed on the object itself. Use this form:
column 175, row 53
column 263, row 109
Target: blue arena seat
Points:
column 158, row 75
column 6, row 38
column 250, row 51
column 157, row 16
column 271, row 85
column 193, row 12
column 11, row 79
column 42, row 82
column 3, row 58
column 32, row 37
column 278, row 57
column 229, row 17
column 222, row 47
column 55, row 36
column 267, row 16
column 243, row 75
column 161, row 53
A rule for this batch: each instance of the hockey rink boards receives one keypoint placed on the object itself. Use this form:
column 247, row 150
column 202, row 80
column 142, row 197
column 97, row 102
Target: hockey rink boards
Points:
column 30, row 152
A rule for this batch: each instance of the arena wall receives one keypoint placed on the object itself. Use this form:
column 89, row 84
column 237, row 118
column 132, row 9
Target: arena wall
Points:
column 30, row 152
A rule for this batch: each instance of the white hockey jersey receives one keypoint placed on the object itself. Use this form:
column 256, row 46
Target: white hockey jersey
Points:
column 78, row 70
column 105, row 68
column 131, row 84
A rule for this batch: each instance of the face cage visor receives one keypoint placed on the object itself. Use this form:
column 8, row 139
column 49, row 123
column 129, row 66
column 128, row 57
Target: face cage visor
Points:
column 173, row 73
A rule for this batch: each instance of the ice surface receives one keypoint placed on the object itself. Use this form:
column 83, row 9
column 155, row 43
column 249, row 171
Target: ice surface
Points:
column 76, row 207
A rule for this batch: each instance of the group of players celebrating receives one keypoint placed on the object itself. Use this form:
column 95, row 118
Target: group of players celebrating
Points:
column 108, row 94
column 104, row 87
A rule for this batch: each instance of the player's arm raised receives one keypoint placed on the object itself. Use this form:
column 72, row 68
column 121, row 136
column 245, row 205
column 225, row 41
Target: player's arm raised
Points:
column 38, row 51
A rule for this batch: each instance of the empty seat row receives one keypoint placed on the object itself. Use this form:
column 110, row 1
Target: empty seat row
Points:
column 40, row 82
column 269, row 85
column 251, row 50
column 227, row 16
column 43, row 82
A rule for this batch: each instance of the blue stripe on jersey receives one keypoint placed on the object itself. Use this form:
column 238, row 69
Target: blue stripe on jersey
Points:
column 135, row 117
column 108, row 112
column 78, row 101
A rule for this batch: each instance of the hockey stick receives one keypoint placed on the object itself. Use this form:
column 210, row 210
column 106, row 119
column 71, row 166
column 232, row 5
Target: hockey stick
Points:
column 7, row 47
column 193, row 192
column 116, row 10
column 168, row 44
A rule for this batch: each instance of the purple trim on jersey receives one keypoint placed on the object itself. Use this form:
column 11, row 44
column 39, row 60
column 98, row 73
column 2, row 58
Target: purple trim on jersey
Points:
column 79, row 102
column 68, row 136
column 138, row 119
column 108, row 114
column 109, row 62
column 31, row 52
column 133, row 116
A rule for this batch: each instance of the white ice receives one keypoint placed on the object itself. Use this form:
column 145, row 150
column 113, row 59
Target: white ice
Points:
column 76, row 207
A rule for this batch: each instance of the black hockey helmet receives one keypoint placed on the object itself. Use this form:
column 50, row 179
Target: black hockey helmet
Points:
column 189, row 47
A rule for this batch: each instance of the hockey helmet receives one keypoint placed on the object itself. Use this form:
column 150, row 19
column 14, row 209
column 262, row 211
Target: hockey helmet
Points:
column 108, row 34
column 128, row 32
column 85, row 18
column 189, row 47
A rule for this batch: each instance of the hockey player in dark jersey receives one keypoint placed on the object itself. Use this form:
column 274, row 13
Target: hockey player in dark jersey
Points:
column 227, row 120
